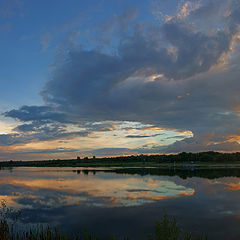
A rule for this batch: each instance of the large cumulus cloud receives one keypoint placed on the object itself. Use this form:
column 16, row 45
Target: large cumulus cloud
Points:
column 177, row 74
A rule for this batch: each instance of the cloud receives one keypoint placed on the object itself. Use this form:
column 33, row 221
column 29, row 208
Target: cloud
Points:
column 202, row 143
column 152, row 66
column 112, row 151
column 121, row 21
column 44, row 135
column 128, row 151
column 143, row 136
column 10, row 139
column 41, row 126
column 54, row 150
column 100, row 126
column 36, row 113
column 123, row 87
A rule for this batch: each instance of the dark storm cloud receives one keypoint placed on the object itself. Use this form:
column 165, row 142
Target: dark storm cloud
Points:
column 234, row 16
column 199, row 144
column 196, row 51
column 96, row 85
column 92, row 85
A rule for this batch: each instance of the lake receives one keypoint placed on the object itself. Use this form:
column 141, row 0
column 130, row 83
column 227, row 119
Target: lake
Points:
column 126, row 202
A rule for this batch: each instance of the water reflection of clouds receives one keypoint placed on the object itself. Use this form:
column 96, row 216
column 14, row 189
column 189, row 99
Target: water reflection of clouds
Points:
column 227, row 184
column 54, row 189
column 74, row 200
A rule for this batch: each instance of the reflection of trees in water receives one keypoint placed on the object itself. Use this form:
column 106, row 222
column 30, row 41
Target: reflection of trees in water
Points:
column 85, row 171
column 182, row 172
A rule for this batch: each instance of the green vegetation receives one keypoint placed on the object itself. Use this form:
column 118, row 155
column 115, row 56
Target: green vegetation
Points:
column 203, row 158
column 8, row 220
column 167, row 229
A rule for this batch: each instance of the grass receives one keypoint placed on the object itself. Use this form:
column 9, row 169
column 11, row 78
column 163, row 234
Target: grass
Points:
column 167, row 229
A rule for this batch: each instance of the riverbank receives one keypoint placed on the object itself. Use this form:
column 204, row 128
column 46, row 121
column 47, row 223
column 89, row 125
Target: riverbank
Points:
column 189, row 160
column 74, row 163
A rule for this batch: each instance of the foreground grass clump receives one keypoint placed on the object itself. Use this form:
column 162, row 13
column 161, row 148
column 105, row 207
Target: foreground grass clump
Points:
column 167, row 229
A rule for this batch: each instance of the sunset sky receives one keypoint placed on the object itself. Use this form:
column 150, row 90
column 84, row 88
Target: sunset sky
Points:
column 104, row 78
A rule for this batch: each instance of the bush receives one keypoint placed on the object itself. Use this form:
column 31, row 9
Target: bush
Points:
column 168, row 229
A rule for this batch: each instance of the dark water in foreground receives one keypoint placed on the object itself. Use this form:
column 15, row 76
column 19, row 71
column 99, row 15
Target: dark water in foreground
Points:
column 126, row 202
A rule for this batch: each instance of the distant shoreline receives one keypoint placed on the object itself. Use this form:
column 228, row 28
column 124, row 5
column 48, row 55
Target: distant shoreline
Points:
column 189, row 160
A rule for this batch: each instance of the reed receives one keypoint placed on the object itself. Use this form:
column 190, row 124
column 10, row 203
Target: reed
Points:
column 167, row 229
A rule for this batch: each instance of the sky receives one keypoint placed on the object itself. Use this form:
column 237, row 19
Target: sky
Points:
column 105, row 78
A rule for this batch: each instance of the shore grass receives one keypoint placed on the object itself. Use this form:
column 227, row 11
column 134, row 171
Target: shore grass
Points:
column 166, row 229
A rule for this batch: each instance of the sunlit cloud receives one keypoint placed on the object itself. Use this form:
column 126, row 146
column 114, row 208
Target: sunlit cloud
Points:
column 6, row 127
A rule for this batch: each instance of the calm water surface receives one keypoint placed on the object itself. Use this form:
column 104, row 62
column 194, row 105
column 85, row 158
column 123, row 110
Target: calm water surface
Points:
column 124, row 202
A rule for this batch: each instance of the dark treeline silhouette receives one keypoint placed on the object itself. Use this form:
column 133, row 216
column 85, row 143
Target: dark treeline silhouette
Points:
column 183, row 158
